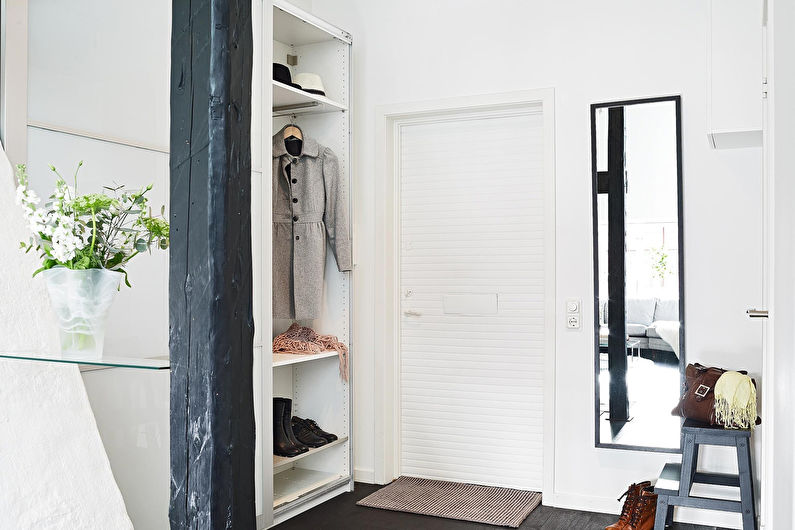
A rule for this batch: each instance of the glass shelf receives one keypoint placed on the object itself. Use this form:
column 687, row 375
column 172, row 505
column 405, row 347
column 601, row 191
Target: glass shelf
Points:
column 143, row 363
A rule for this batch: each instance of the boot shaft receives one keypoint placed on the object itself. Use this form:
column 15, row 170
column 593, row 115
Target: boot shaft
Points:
column 632, row 495
column 645, row 511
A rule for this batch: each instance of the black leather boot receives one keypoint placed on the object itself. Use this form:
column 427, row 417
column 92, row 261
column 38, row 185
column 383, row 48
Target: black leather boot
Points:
column 312, row 426
column 288, row 427
column 305, row 434
column 282, row 445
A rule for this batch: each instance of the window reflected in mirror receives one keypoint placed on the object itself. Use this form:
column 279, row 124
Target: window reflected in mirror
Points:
column 636, row 162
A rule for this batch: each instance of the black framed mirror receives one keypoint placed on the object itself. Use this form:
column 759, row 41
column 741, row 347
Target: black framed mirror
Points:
column 639, row 354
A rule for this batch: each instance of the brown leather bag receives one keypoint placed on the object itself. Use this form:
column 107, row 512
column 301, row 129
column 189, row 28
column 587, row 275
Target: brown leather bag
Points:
column 698, row 399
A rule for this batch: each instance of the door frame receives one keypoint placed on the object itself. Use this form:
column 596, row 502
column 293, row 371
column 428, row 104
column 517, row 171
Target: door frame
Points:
column 386, row 382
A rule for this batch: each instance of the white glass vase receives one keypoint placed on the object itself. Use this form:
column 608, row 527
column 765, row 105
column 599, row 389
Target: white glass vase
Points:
column 81, row 301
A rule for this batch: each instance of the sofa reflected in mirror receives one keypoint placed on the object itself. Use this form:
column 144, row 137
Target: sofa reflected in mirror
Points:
column 639, row 294
column 652, row 324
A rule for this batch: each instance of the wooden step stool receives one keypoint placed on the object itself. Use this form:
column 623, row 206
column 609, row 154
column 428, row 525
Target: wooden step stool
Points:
column 673, row 486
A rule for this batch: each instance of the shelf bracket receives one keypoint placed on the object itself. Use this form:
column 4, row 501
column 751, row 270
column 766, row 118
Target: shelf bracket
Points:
column 287, row 109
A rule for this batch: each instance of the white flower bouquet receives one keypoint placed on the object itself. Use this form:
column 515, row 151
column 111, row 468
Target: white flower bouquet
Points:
column 85, row 241
column 91, row 231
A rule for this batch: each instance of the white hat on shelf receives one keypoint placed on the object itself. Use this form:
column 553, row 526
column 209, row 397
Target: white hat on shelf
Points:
column 310, row 83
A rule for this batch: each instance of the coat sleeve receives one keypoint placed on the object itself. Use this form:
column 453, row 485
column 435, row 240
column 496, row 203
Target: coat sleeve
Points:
column 336, row 216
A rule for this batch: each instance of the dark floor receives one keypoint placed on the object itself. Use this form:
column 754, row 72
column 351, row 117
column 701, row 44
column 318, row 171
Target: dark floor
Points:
column 342, row 513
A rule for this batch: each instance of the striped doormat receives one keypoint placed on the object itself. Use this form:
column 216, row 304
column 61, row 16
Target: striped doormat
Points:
column 466, row 502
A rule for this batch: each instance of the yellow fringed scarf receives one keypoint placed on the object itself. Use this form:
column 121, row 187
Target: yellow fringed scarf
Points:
column 735, row 401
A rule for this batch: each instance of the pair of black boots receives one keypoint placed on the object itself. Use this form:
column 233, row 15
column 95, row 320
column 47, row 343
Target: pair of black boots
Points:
column 292, row 435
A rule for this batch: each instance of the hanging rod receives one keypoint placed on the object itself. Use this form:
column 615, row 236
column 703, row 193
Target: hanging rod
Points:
column 278, row 111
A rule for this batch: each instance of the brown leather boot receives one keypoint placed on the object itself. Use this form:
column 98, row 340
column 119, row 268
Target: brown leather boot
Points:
column 632, row 496
column 645, row 509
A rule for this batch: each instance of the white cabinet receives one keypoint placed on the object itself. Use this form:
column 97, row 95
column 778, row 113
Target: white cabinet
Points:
column 734, row 73
column 305, row 43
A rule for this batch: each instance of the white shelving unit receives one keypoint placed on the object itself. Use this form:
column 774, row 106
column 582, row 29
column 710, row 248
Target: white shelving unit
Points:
column 313, row 382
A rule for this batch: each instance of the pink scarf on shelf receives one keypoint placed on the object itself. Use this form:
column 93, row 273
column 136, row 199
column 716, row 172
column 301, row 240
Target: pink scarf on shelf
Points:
column 304, row 341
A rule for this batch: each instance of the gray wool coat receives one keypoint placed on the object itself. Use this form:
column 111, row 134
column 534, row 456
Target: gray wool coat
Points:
column 310, row 206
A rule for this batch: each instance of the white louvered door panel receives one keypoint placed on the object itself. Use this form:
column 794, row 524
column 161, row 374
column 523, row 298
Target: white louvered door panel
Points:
column 472, row 299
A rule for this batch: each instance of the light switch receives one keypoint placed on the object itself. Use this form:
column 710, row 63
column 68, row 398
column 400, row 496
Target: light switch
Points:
column 573, row 313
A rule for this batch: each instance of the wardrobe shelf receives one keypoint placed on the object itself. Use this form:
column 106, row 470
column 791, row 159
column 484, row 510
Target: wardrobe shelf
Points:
column 279, row 462
column 283, row 359
column 294, row 483
column 289, row 100
column 302, row 29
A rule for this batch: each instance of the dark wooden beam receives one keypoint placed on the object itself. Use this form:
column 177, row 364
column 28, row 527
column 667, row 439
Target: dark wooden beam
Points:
column 210, row 277
column 616, row 277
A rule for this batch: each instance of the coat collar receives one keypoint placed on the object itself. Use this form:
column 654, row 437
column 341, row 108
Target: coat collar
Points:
column 309, row 148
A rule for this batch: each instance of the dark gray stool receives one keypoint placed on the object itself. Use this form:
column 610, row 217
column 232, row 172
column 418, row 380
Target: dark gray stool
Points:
column 673, row 486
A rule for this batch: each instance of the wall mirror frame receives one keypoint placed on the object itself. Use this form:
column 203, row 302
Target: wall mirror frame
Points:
column 638, row 242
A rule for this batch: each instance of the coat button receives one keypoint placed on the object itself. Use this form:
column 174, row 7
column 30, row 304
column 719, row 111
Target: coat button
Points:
column 297, row 238
column 295, row 161
column 295, row 180
column 295, row 218
column 295, row 200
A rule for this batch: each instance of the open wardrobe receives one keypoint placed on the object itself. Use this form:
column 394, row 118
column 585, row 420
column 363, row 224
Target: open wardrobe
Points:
column 311, row 285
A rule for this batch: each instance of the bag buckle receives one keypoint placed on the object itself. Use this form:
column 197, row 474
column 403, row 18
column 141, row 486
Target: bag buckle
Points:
column 702, row 390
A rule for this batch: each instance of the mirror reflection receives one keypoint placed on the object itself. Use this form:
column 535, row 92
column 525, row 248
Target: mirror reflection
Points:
column 639, row 292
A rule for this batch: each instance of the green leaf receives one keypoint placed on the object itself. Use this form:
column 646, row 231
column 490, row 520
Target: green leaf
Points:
column 48, row 264
column 82, row 263
column 117, row 258
column 126, row 279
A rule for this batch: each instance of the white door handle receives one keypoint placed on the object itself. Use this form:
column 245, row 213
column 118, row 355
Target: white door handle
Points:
column 756, row 313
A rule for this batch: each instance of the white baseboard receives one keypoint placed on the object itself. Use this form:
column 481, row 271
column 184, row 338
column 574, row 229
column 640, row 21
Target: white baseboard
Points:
column 585, row 503
column 609, row 505
column 366, row 475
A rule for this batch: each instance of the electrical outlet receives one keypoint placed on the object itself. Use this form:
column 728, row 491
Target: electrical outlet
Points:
column 573, row 321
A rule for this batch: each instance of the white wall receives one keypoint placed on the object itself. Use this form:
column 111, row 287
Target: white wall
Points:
column 103, row 68
column 588, row 51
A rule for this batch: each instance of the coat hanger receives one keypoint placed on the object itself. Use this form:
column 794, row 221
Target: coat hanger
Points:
column 293, row 130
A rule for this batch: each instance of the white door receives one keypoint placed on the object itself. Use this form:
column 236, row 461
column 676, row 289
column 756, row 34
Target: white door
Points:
column 474, row 266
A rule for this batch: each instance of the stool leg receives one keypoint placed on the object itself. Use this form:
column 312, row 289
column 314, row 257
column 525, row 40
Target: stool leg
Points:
column 689, row 460
column 661, row 515
column 694, row 467
column 746, row 483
